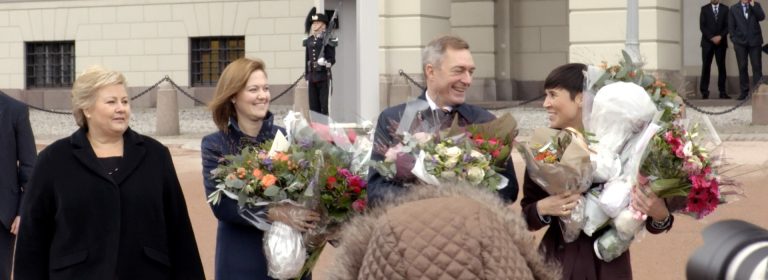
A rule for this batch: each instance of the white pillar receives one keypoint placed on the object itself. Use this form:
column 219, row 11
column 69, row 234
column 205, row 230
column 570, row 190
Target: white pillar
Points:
column 368, row 59
column 633, row 21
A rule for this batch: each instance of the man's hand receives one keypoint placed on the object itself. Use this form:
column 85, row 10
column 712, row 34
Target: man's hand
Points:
column 15, row 225
column 716, row 39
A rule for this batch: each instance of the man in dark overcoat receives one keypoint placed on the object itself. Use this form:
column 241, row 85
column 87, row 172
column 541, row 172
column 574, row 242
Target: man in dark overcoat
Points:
column 17, row 158
column 448, row 68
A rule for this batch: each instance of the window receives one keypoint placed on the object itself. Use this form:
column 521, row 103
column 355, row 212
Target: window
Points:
column 50, row 64
column 210, row 55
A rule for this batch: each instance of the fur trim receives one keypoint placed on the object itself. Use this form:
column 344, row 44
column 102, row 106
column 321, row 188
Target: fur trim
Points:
column 357, row 233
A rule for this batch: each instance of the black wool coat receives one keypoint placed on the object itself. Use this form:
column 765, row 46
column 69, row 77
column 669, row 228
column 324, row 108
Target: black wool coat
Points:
column 80, row 223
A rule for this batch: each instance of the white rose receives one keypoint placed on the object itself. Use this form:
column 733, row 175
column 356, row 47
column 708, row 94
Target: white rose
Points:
column 476, row 155
column 453, row 152
column 451, row 162
column 475, row 175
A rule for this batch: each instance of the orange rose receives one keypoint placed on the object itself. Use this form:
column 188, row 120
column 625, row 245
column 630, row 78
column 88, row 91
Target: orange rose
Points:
column 240, row 172
column 268, row 180
column 257, row 173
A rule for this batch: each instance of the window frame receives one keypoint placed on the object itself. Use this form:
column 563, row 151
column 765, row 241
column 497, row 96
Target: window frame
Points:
column 204, row 68
column 56, row 69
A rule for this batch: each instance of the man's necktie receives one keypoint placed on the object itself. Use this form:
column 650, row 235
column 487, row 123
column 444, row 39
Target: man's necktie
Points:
column 744, row 8
column 445, row 116
column 715, row 10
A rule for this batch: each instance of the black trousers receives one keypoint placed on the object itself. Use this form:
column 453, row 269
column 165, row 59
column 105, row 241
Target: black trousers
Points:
column 707, row 53
column 754, row 54
column 318, row 96
column 6, row 252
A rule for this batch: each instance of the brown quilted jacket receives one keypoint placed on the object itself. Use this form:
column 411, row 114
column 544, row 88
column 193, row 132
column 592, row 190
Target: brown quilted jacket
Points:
column 448, row 232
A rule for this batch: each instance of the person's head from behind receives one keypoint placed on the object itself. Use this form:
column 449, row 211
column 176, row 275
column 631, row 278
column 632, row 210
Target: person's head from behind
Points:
column 242, row 92
column 563, row 88
column 100, row 101
column 448, row 67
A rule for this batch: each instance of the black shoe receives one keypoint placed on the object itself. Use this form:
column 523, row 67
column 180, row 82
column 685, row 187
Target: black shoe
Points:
column 725, row 96
column 742, row 96
column 704, row 95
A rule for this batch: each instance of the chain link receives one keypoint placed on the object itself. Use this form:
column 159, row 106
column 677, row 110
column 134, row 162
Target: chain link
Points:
column 173, row 83
column 712, row 113
column 177, row 87
column 408, row 78
column 401, row 72
column 288, row 89
column 411, row 80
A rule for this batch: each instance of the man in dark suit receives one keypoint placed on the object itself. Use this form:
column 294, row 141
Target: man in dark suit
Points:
column 747, row 37
column 17, row 158
column 318, row 60
column 448, row 67
column 713, row 23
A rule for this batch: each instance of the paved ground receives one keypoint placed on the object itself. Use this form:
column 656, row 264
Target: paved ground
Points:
column 654, row 257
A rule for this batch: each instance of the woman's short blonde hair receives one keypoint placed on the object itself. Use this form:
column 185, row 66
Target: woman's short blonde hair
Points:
column 85, row 87
column 232, row 81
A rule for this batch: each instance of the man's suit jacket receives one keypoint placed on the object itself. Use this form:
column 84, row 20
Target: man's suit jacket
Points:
column 379, row 187
column 712, row 26
column 17, row 156
column 79, row 222
column 746, row 31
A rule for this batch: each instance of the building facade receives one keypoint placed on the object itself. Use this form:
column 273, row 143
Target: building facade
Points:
column 515, row 43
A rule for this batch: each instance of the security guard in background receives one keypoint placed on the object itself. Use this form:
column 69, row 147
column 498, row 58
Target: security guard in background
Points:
column 317, row 69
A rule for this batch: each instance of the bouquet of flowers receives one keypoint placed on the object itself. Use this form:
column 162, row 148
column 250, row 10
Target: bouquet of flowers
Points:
column 472, row 154
column 304, row 169
column 558, row 161
column 675, row 157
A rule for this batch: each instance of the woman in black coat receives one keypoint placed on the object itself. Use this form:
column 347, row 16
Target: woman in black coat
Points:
column 105, row 203
column 240, row 109
column 563, row 102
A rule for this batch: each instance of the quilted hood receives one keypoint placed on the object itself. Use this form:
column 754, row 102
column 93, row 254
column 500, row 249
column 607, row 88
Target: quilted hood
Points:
column 446, row 232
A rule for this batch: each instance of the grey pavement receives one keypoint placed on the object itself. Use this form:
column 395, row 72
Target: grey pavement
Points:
column 196, row 122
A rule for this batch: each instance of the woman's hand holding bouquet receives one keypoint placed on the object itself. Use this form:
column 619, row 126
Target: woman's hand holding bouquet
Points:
column 559, row 162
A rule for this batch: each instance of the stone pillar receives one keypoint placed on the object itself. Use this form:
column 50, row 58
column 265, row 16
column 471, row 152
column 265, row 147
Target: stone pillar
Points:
column 760, row 106
column 167, row 111
column 301, row 98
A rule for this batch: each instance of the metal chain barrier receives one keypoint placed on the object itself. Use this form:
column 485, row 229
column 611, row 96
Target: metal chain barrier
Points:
column 726, row 111
column 408, row 78
column 412, row 81
column 176, row 86
column 401, row 72
column 712, row 113
column 288, row 89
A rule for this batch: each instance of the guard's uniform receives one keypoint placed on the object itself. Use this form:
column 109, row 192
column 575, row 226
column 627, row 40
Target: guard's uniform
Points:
column 318, row 76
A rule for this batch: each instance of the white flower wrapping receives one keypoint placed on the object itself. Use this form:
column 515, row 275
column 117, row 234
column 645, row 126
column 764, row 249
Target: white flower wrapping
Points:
column 622, row 135
column 284, row 248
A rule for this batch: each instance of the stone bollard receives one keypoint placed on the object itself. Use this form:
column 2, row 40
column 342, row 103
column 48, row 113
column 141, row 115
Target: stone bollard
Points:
column 167, row 111
column 301, row 98
column 760, row 106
